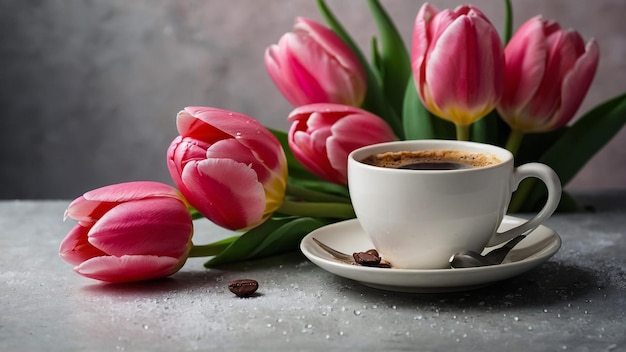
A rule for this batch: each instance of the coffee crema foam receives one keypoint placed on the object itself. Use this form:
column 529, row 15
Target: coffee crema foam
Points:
column 396, row 160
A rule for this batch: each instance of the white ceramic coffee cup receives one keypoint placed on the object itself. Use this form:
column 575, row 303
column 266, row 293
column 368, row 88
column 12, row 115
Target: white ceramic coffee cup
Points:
column 418, row 219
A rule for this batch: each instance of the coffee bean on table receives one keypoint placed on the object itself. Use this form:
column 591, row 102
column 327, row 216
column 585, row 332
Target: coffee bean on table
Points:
column 243, row 287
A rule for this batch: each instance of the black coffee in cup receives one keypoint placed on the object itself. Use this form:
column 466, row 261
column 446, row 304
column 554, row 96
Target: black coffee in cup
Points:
column 431, row 160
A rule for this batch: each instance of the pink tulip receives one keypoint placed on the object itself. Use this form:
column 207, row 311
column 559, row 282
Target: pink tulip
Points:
column 128, row 232
column 548, row 73
column 458, row 63
column 228, row 166
column 313, row 65
column 322, row 135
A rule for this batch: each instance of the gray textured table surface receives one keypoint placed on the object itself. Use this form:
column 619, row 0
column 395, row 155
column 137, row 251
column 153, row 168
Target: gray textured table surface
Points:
column 576, row 301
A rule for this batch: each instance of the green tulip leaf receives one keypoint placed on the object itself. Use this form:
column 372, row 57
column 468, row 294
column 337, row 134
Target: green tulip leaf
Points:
column 531, row 197
column 394, row 61
column 274, row 236
column 585, row 138
column 418, row 122
column 195, row 214
column 577, row 144
column 375, row 100
column 567, row 204
column 322, row 186
column 485, row 130
column 534, row 145
column 245, row 244
column 376, row 60
column 287, row 237
column 211, row 249
column 338, row 28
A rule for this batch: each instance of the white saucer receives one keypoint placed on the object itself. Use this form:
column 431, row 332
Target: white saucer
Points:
column 348, row 237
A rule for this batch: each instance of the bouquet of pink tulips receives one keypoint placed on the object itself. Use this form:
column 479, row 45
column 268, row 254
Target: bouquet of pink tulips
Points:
column 459, row 80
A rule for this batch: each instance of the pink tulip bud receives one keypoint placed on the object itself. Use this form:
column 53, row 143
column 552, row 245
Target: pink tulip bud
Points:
column 322, row 135
column 312, row 64
column 228, row 166
column 548, row 72
column 458, row 63
column 128, row 232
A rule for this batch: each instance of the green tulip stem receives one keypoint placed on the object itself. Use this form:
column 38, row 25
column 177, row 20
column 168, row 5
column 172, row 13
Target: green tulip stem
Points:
column 514, row 141
column 314, row 196
column 508, row 22
column 462, row 132
column 212, row 249
column 317, row 209
column 521, row 195
column 519, row 199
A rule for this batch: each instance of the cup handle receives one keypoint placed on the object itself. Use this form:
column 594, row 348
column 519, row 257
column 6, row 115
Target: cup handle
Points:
column 552, row 182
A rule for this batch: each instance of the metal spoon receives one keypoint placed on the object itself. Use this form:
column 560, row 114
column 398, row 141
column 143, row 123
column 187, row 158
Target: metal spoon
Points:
column 471, row 259
column 463, row 259
column 346, row 258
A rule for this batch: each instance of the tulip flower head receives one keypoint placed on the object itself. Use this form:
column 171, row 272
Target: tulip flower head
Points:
column 128, row 232
column 458, row 63
column 228, row 166
column 312, row 64
column 548, row 72
column 322, row 135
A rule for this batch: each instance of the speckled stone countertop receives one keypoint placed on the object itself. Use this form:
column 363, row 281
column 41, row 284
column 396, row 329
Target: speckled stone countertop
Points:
column 575, row 301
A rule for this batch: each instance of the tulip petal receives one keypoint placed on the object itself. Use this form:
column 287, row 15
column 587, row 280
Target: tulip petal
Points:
column 75, row 247
column 312, row 64
column 438, row 24
column 211, row 124
column 129, row 268
column 319, row 74
column 463, row 69
column 309, row 147
column 302, row 112
column 281, row 75
column 226, row 192
column 564, row 49
column 158, row 226
column 127, row 191
column 227, row 124
column 322, row 135
column 86, row 212
column 525, row 66
column 458, row 63
column 308, row 139
column 332, row 45
column 543, row 96
column 560, row 59
column 94, row 204
column 420, row 42
column 232, row 149
column 352, row 132
column 181, row 151
column 190, row 125
column 300, row 55
column 576, row 84
column 273, row 180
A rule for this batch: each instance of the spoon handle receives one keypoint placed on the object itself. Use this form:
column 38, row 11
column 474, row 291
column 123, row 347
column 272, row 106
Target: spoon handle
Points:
column 335, row 253
column 497, row 255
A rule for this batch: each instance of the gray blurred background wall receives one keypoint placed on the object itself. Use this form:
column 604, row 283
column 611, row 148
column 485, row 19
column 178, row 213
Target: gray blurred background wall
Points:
column 89, row 88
